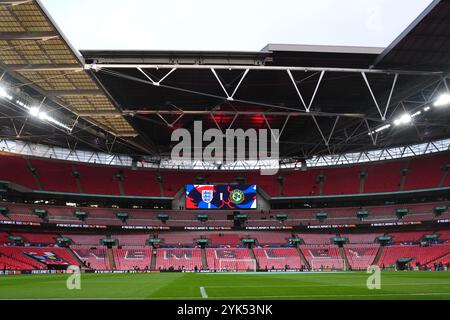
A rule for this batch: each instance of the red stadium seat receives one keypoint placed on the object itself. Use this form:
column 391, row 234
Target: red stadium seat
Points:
column 94, row 257
column 130, row 257
column 278, row 258
column 185, row 258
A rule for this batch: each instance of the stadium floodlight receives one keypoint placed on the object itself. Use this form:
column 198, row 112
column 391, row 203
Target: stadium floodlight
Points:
column 404, row 119
column 418, row 113
column 34, row 111
column 59, row 124
column 23, row 105
column 427, row 108
column 379, row 129
column 43, row 116
column 386, row 126
column 442, row 100
column 5, row 94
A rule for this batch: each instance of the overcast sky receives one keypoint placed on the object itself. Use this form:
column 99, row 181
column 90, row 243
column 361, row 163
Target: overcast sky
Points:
column 236, row 25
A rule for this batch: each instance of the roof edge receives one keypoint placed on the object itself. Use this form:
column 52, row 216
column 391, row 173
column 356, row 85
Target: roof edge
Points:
column 321, row 48
column 405, row 32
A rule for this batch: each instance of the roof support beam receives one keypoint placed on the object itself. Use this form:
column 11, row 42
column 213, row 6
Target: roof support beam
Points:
column 373, row 95
column 275, row 136
column 75, row 93
column 307, row 107
column 13, row 2
column 93, row 113
column 205, row 112
column 157, row 83
column 45, row 35
column 99, row 66
column 229, row 97
column 390, row 96
column 44, row 67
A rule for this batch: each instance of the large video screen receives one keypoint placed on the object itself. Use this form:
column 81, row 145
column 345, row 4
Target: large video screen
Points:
column 221, row 197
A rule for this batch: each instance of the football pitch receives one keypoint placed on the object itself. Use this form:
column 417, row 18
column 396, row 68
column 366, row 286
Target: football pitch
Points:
column 252, row 286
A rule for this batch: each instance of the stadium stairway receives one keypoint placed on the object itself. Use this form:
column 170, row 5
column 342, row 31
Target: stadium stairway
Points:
column 34, row 173
column 322, row 183
column 153, row 260
column 77, row 181
column 362, row 180
column 112, row 262
column 253, row 256
column 161, row 187
column 443, row 178
column 75, row 256
column 121, row 187
column 344, row 257
column 404, row 175
column 378, row 255
column 438, row 259
column 303, row 259
column 204, row 260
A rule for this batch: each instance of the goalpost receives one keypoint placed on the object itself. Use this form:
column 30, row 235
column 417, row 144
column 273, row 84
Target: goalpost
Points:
column 236, row 265
column 328, row 264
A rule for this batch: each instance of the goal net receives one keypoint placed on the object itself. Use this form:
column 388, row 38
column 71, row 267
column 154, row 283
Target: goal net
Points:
column 236, row 265
column 328, row 264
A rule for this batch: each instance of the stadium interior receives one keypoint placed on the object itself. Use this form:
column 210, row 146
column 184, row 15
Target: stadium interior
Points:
column 86, row 177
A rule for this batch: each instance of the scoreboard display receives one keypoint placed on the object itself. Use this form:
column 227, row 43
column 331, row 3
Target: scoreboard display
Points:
column 221, row 197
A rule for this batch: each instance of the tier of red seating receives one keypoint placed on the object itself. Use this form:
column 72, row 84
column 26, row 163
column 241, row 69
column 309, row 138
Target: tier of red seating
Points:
column 4, row 237
column 323, row 256
column 383, row 177
column 55, row 176
column 418, row 254
column 179, row 238
column 84, row 239
column 361, row 256
column 404, row 237
column 433, row 169
column 264, row 237
column 131, row 239
column 278, row 258
column 186, row 218
column 36, row 238
column 15, row 169
column 14, row 258
column 95, row 179
column 361, row 238
column 132, row 257
column 28, row 258
column 94, row 257
column 317, row 238
column 318, row 251
column 232, row 239
column 139, row 183
column 229, row 258
column 179, row 258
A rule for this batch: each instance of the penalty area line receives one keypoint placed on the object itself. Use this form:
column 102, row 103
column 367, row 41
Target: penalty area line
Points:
column 203, row 293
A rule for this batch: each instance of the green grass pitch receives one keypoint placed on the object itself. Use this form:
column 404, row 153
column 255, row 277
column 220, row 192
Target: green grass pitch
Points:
column 351, row 285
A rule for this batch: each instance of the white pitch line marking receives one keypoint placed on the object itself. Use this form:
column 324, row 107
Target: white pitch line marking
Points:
column 330, row 285
column 203, row 293
column 337, row 295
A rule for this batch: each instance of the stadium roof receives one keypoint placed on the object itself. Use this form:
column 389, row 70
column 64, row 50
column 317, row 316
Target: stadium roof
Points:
column 324, row 99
